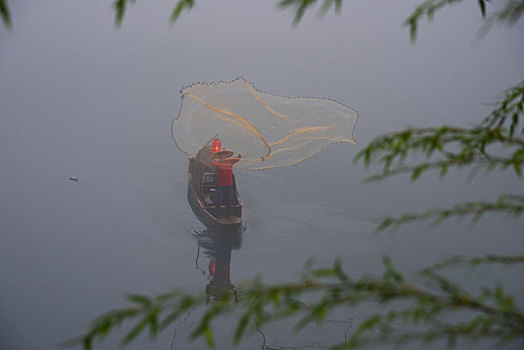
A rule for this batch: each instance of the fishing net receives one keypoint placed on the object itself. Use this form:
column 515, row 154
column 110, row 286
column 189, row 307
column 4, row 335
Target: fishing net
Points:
column 269, row 130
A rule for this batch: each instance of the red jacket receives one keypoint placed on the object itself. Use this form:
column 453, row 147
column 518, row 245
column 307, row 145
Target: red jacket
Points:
column 225, row 171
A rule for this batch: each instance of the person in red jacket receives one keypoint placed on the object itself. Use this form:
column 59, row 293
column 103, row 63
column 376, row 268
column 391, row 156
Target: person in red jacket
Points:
column 224, row 167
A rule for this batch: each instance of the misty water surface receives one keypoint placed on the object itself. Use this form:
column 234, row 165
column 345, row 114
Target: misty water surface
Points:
column 79, row 97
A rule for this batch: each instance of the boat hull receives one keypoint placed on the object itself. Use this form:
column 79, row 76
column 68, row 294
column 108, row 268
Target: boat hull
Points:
column 201, row 195
column 207, row 217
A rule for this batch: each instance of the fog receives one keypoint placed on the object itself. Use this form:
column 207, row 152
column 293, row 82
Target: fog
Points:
column 82, row 97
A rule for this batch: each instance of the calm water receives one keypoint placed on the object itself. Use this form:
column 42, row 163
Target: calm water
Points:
column 81, row 98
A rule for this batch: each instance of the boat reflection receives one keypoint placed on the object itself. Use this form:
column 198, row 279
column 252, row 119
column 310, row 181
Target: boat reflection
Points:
column 213, row 259
column 217, row 247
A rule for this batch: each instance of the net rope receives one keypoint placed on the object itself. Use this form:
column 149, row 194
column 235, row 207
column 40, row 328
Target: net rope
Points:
column 269, row 130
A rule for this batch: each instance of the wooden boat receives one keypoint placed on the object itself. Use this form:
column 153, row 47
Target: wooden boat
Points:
column 202, row 193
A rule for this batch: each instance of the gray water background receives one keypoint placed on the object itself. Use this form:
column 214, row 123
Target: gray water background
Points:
column 79, row 97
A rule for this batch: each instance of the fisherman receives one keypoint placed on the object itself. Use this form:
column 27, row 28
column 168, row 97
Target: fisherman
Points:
column 224, row 167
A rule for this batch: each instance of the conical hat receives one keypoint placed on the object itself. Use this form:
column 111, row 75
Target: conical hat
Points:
column 225, row 152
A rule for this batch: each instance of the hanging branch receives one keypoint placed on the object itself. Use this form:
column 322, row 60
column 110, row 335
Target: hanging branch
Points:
column 493, row 313
column 451, row 147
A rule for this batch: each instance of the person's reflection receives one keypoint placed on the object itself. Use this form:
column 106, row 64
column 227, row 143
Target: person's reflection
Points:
column 217, row 247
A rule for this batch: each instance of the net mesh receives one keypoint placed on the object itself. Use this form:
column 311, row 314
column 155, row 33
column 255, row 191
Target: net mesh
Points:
column 269, row 130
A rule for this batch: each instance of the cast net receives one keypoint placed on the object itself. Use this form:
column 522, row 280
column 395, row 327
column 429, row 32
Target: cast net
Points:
column 269, row 130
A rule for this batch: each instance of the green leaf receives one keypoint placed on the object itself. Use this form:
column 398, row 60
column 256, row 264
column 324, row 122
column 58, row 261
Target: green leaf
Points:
column 120, row 10
column 153, row 324
column 104, row 329
column 170, row 318
column 417, row 171
column 87, row 343
column 367, row 157
column 241, row 327
column 338, row 5
column 517, row 167
column 4, row 13
column 140, row 299
column 370, row 323
column 162, row 298
column 514, row 123
column 413, row 31
column 482, row 7
column 443, row 170
column 339, row 271
column 327, row 272
column 208, row 336
column 135, row 331
column 180, row 6
column 387, row 222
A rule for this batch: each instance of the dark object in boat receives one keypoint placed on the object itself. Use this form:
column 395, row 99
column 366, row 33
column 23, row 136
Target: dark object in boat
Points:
column 202, row 193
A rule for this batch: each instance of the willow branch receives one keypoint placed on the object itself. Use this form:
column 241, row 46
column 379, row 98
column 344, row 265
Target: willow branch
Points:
column 510, row 204
column 473, row 262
